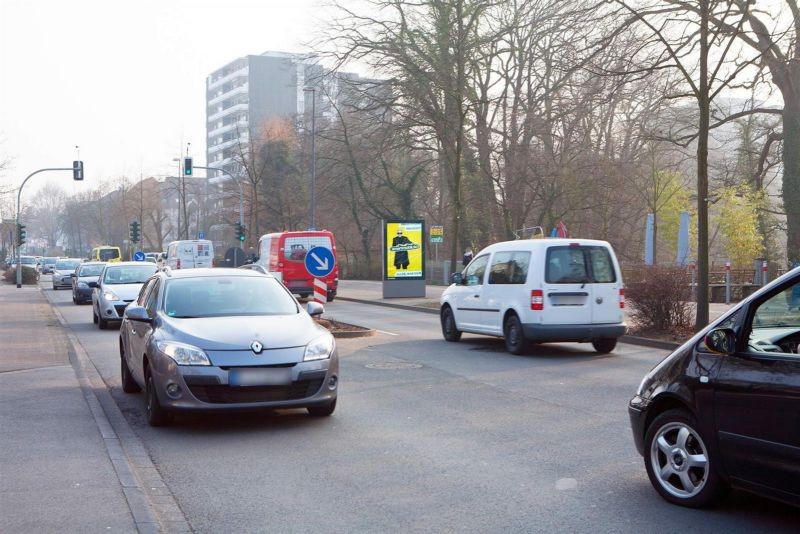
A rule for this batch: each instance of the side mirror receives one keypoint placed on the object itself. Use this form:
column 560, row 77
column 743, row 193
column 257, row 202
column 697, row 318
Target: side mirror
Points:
column 457, row 278
column 93, row 284
column 315, row 309
column 137, row 313
column 721, row 341
column 163, row 255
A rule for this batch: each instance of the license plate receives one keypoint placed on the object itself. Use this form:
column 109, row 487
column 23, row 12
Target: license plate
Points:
column 260, row 377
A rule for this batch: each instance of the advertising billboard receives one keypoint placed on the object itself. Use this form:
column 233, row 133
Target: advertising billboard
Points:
column 404, row 252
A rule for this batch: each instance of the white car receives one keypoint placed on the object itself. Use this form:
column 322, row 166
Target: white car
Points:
column 117, row 286
column 538, row 290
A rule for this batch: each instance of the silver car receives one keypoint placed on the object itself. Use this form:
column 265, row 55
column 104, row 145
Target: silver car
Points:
column 116, row 287
column 63, row 271
column 225, row 339
column 85, row 273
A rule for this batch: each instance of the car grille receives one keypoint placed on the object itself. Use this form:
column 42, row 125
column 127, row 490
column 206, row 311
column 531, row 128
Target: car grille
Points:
column 224, row 394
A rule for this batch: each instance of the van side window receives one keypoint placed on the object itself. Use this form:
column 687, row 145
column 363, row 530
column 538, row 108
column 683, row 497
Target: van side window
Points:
column 475, row 271
column 579, row 265
column 509, row 268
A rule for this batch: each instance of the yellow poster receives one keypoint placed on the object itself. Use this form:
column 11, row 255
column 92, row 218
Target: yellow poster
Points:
column 404, row 253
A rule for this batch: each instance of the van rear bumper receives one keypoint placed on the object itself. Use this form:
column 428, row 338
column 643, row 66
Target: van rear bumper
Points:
column 573, row 332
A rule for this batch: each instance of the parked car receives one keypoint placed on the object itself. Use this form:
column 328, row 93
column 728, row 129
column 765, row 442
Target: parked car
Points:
column 283, row 254
column 724, row 408
column 48, row 263
column 151, row 257
column 63, row 270
column 116, row 287
column 85, row 273
column 225, row 339
column 538, row 290
column 189, row 254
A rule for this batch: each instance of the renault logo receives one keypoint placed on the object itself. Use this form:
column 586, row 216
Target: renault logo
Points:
column 257, row 347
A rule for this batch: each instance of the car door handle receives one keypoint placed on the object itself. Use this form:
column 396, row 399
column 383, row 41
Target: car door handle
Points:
column 477, row 296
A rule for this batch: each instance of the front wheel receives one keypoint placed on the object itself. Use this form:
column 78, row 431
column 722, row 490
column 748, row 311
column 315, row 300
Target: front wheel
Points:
column 129, row 385
column 449, row 330
column 604, row 345
column 102, row 323
column 94, row 316
column 156, row 415
column 323, row 410
column 514, row 336
column 678, row 462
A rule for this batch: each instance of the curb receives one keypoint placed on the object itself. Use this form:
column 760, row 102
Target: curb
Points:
column 628, row 339
column 152, row 505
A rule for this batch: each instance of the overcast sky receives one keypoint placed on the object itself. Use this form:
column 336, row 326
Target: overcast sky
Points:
column 125, row 79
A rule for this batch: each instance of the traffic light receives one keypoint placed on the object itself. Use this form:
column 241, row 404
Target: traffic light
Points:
column 77, row 170
column 134, row 234
column 21, row 234
column 187, row 166
column 240, row 231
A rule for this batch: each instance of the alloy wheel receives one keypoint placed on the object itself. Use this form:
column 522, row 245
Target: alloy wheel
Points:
column 679, row 460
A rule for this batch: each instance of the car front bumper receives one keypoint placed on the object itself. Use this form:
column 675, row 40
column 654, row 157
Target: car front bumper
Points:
column 207, row 388
column 637, row 411
column 62, row 281
column 111, row 310
column 573, row 332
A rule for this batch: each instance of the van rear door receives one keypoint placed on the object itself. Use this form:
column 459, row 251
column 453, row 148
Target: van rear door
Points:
column 566, row 289
column 606, row 285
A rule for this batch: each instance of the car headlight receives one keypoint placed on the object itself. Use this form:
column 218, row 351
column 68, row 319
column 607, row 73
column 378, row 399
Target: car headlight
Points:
column 83, row 285
column 319, row 349
column 183, row 354
column 110, row 295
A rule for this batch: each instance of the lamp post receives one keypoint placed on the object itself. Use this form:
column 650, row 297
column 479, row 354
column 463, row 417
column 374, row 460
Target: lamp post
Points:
column 313, row 200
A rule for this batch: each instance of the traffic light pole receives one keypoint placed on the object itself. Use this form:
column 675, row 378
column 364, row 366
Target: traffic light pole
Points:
column 241, row 195
column 19, row 196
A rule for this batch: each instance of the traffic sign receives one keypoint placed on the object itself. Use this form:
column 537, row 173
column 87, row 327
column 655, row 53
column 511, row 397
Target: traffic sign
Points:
column 201, row 235
column 437, row 234
column 320, row 262
column 138, row 256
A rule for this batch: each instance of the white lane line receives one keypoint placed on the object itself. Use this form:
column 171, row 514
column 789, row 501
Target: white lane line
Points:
column 387, row 333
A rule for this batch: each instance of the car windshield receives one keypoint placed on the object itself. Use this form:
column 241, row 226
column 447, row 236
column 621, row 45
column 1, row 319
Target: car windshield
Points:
column 67, row 265
column 27, row 260
column 224, row 296
column 108, row 254
column 91, row 270
column 128, row 274
column 49, row 261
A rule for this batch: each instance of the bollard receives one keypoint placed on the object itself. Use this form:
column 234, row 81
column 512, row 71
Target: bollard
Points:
column 446, row 271
column 764, row 273
column 727, row 282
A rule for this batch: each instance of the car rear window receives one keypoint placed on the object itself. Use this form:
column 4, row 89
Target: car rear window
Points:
column 91, row 270
column 63, row 265
column 579, row 265
column 296, row 248
column 108, row 254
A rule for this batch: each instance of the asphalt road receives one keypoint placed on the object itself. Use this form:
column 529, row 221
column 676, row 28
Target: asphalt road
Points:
column 428, row 436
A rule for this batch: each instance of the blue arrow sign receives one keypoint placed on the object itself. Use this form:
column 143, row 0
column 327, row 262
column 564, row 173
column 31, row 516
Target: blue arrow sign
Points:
column 320, row 262
column 138, row 256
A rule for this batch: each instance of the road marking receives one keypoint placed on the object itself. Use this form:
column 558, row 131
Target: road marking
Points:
column 387, row 333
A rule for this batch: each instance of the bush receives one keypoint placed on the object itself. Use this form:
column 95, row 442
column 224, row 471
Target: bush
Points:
column 661, row 298
column 29, row 276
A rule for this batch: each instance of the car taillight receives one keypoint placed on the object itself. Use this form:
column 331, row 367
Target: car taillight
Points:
column 178, row 264
column 622, row 297
column 537, row 300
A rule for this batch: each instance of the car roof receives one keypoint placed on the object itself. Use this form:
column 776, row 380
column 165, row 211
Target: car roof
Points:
column 126, row 263
column 204, row 272
column 93, row 263
column 537, row 244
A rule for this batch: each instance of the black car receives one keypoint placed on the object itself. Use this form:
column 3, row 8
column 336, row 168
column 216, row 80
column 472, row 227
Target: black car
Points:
column 724, row 408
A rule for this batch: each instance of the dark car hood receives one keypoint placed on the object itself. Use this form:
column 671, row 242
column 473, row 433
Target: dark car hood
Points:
column 238, row 333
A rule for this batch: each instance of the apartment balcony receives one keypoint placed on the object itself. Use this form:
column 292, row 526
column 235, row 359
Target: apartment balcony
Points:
column 227, row 111
column 239, row 73
column 241, row 124
column 241, row 90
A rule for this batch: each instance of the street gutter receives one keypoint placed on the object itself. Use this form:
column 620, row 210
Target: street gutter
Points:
column 629, row 339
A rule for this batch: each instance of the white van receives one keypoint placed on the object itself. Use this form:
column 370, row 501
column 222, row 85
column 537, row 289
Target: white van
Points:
column 189, row 254
column 539, row 290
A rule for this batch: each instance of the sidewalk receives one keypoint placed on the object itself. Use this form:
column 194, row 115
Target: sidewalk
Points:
column 55, row 472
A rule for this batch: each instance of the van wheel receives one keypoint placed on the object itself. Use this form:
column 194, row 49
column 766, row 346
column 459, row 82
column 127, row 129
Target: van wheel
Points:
column 330, row 296
column 449, row 330
column 604, row 345
column 514, row 336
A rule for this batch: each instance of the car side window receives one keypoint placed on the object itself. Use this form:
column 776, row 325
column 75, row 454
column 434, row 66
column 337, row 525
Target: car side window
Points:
column 140, row 300
column 509, row 267
column 473, row 275
column 775, row 325
column 152, row 298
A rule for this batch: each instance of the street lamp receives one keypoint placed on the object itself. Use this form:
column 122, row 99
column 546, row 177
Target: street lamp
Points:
column 313, row 200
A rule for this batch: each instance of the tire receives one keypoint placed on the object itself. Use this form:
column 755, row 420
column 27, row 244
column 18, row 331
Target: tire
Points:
column 102, row 324
column 514, row 336
column 55, row 287
column 331, row 295
column 678, row 462
column 449, row 330
column 604, row 345
column 156, row 415
column 129, row 385
column 74, row 300
column 323, row 410
column 94, row 316
column 305, row 295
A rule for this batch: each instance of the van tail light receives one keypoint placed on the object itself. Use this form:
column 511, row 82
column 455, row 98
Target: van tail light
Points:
column 622, row 297
column 178, row 264
column 537, row 300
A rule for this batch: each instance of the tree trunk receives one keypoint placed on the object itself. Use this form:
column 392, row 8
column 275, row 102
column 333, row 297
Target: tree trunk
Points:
column 791, row 178
column 701, row 319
